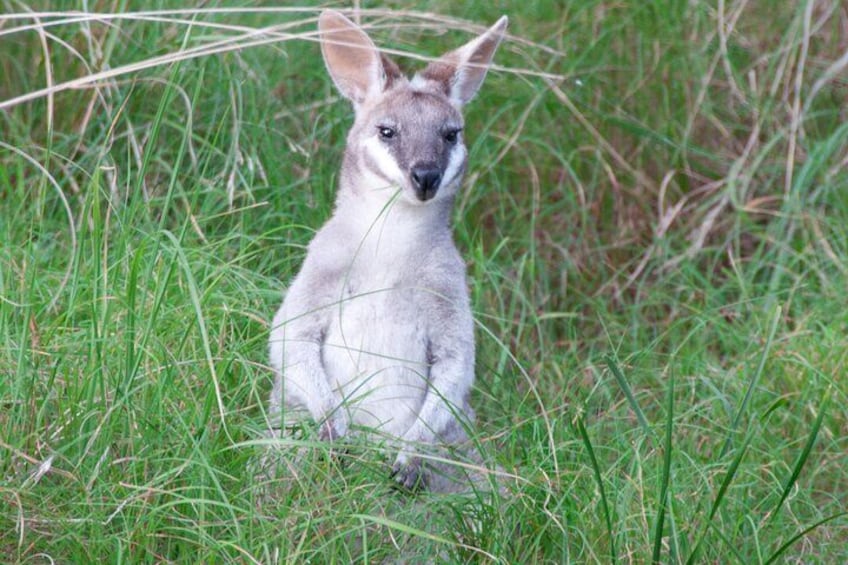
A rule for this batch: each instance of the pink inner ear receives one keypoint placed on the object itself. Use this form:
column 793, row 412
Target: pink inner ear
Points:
column 484, row 53
column 460, row 73
column 351, row 59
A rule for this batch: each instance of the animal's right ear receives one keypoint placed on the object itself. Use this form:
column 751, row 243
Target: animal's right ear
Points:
column 354, row 63
column 461, row 72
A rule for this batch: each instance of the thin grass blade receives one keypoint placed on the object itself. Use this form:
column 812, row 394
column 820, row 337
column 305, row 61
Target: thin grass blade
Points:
column 804, row 455
column 722, row 491
column 628, row 393
column 780, row 550
column 755, row 378
column 584, row 435
column 666, row 473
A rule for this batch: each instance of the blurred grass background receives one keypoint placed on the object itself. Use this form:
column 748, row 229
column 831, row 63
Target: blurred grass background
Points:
column 655, row 225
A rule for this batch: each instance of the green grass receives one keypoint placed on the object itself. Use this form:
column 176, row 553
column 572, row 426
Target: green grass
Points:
column 655, row 227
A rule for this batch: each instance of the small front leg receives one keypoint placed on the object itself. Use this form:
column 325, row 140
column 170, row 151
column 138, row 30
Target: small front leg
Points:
column 444, row 403
column 450, row 379
column 335, row 426
column 295, row 353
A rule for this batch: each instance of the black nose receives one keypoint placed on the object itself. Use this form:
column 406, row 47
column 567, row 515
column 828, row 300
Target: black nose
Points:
column 426, row 179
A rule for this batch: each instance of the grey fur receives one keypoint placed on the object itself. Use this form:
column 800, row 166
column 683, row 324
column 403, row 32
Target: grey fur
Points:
column 376, row 331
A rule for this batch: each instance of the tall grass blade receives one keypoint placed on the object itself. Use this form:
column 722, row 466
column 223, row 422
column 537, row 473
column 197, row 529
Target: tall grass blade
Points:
column 596, row 469
column 722, row 491
column 731, row 547
column 755, row 378
column 804, row 455
column 417, row 532
column 194, row 294
column 782, row 549
column 400, row 527
column 666, row 473
column 628, row 393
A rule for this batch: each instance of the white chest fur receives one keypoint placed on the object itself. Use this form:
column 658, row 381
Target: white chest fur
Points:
column 375, row 352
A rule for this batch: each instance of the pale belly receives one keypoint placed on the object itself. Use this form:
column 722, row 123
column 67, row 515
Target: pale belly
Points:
column 375, row 355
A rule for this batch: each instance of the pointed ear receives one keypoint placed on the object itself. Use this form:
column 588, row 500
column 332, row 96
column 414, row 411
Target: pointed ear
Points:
column 461, row 72
column 353, row 61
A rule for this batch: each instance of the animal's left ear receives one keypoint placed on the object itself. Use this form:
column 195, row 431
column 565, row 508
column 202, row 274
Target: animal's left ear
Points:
column 461, row 72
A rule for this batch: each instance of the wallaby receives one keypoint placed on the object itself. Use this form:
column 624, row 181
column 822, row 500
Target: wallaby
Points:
column 376, row 330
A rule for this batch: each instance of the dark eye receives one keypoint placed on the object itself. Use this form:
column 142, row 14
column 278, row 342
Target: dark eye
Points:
column 386, row 132
column 451, row 135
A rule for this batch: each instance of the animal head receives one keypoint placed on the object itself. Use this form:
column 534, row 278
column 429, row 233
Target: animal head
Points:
column 407, row 134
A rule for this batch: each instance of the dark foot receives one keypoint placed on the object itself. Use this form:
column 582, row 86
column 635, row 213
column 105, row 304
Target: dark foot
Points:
column 410, row 475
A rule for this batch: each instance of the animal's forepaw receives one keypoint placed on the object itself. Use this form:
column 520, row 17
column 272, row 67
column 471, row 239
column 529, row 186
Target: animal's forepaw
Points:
column 327, row 432
column 332, row 428
column 408, row 473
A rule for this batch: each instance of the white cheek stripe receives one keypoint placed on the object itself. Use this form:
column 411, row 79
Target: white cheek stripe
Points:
column 384, row 162
column 457, row 158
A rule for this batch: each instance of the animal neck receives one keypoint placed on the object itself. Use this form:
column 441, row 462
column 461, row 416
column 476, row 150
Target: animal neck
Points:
column 379, row 217
column 385, row 224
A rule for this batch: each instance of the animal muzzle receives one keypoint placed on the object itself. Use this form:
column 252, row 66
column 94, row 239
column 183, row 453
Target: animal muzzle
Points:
column 426, row 179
